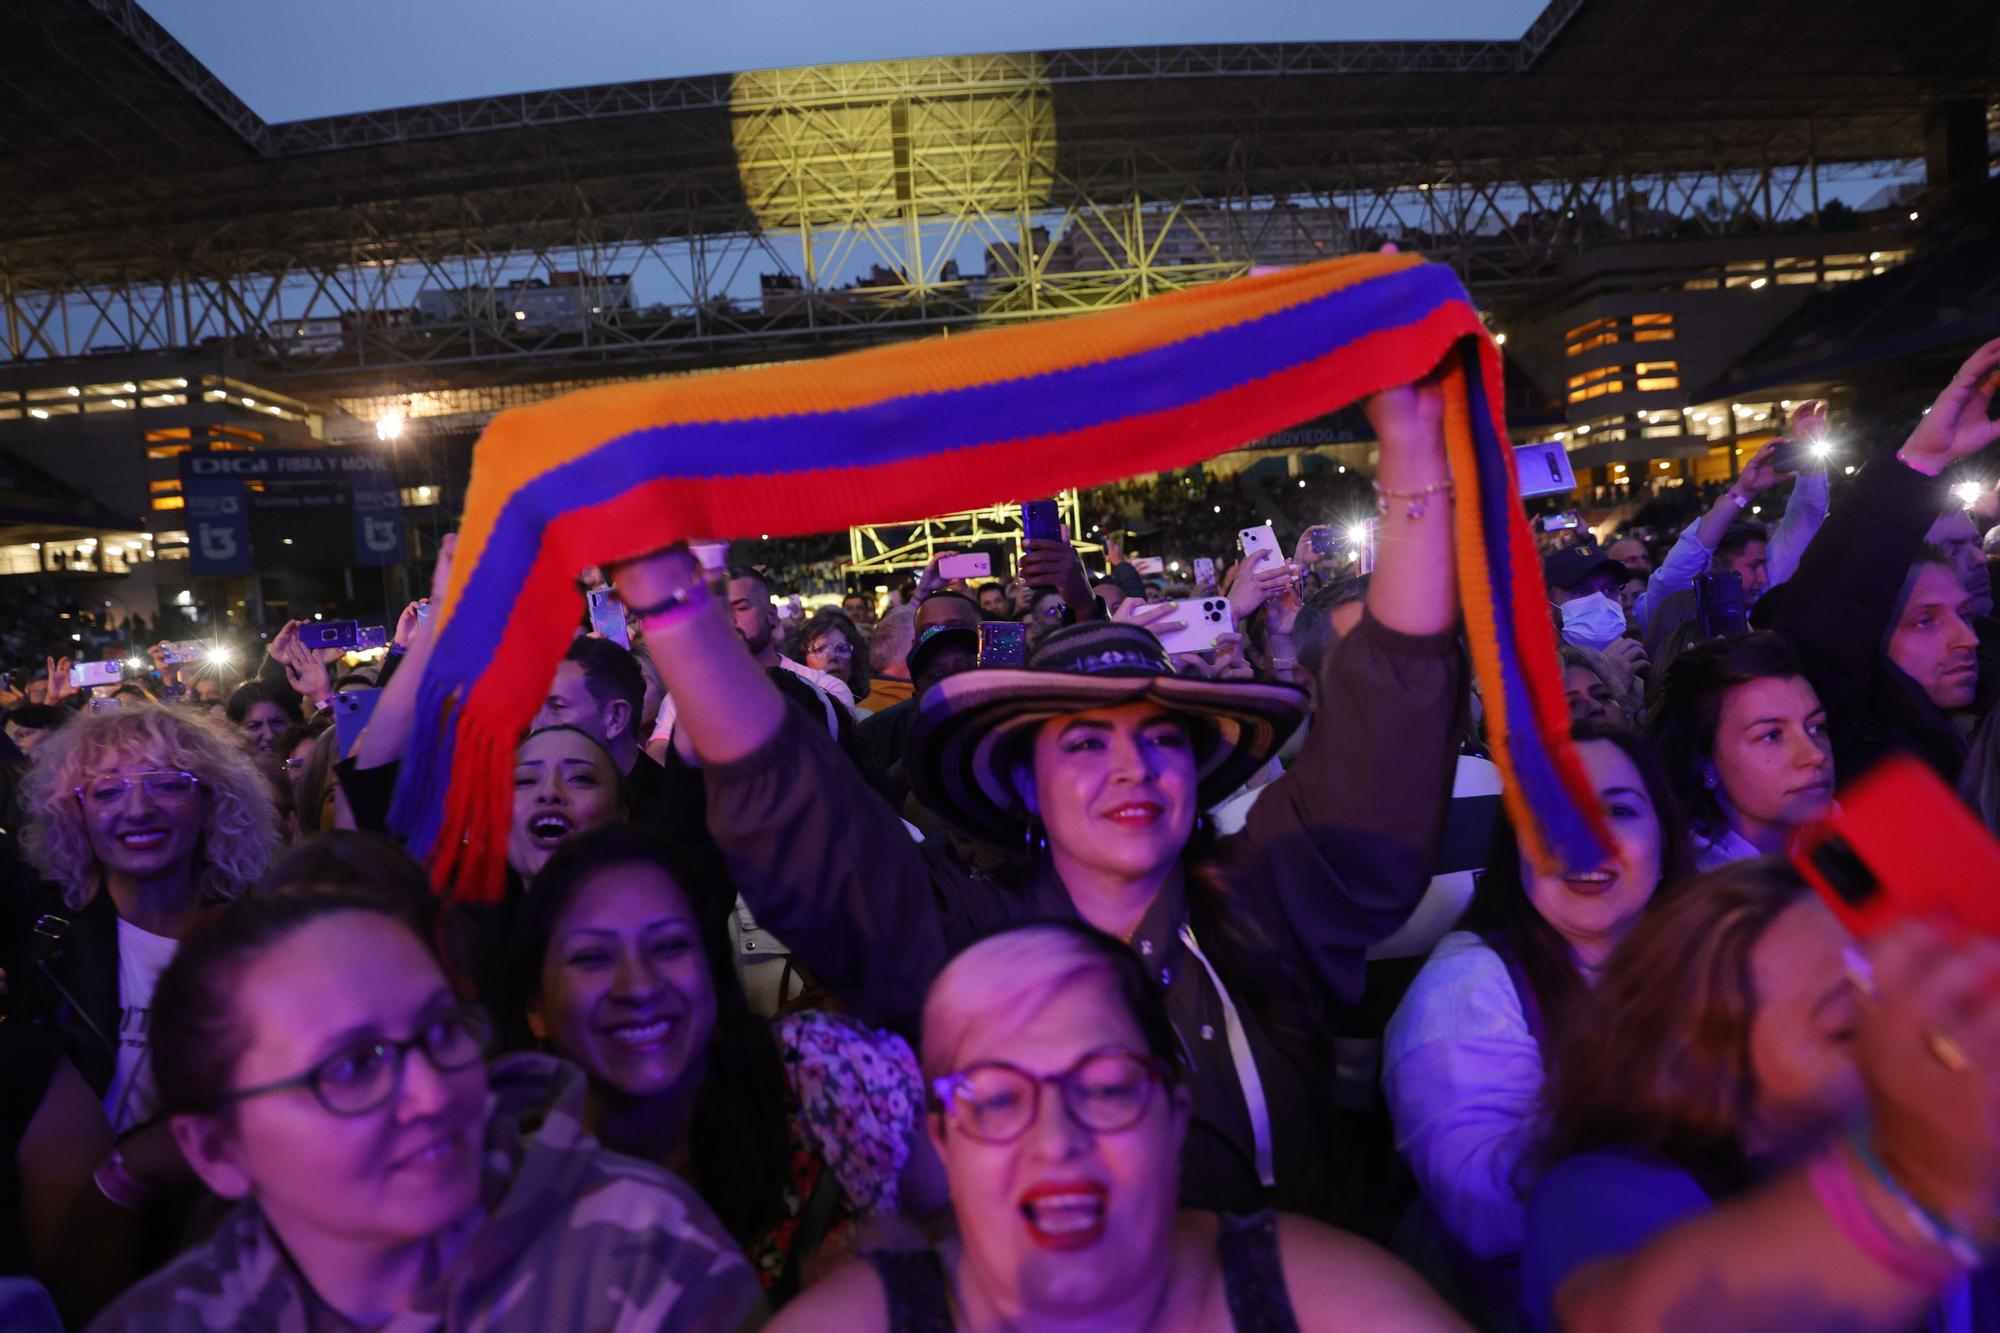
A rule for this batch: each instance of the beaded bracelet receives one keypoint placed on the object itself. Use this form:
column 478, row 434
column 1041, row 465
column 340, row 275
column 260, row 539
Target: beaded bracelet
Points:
column 1939, row 1230
column 1417, row 507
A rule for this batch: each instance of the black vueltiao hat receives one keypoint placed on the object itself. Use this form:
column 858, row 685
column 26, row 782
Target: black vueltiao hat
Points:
column 972, row 728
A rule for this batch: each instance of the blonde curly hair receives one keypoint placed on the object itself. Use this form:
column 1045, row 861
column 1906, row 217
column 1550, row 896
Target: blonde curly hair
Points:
column 238, row 835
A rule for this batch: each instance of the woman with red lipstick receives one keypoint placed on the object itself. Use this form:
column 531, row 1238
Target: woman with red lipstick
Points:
column 318, row 1068
column 144, row 819
column 1100, row 762
column 1058, row 1107
column 1745, row 741
column 1464, row 1057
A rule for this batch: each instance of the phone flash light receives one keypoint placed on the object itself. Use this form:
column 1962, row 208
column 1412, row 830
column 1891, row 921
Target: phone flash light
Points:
column 1968, row 492
column 220, row 654
column 135, row 664
column 1357, row 535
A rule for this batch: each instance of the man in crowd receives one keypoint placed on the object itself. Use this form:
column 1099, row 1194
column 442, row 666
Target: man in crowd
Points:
column 599, row 689
column 860, row 608
column 31, row 724
column 888, row 658
column 993, row 601
column 945, row 641
column 1631, row 553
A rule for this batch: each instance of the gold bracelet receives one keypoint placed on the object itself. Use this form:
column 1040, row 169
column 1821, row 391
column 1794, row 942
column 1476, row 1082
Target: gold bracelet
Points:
column 1417, row 499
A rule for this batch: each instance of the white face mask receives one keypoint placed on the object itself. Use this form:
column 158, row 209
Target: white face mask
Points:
column 1596, row 621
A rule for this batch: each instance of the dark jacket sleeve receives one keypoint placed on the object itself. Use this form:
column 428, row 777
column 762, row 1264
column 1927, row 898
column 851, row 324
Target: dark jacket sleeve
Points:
column 1339, row 850
column 1128, row 580
column 391, row 664
column 1836, row 610
column 369, row 792
column 828, row 868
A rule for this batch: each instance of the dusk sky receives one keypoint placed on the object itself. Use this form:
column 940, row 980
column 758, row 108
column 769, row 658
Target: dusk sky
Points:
column 293, row 60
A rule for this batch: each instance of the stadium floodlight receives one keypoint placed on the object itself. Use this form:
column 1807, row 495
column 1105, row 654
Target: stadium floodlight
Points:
column 389, row 427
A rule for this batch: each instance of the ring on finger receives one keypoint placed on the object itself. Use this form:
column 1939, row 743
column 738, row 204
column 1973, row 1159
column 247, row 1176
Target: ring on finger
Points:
column 1947, row 1052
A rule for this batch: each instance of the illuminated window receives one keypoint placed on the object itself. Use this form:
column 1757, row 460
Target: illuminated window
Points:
column 168, row 450
column 1658, row 375
column 164, row 487
column 1652, row 328
column 169, row 502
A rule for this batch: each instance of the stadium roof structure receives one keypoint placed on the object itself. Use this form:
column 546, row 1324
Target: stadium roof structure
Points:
column 150, row 207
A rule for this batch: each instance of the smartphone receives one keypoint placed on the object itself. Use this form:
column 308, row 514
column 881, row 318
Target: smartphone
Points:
column 1865, row 862
column 1003, row 643
column 1260, row 538
column 1204, row 570
column 373, row 636
column 1543, row 469
column 89, row 675
column 1322, row 540
column 1566, row 521
column 187, row 650
column 976, row 566
column 102, row 705
column 423, row 610
column 1149, row 564
column 330, row 634
column 607, row 616
column 1203, row 621
column 351, row 711
column 1364, row 550
column 1800, row 456
column 1719, row 609
column 1041, row 518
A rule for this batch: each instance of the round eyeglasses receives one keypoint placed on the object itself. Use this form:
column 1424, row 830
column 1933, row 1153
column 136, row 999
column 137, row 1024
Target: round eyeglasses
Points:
column 359, row 1078
column 107, row 791
column 1106, row 1091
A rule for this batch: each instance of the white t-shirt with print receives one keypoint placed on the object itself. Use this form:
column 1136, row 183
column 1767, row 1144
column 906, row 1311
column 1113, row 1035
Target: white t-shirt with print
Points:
column 142, row 956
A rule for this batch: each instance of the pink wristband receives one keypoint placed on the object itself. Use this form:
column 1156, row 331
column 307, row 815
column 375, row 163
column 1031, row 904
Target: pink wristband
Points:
column 1839, row 1193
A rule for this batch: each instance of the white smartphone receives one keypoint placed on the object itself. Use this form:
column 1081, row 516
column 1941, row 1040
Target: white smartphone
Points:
column 1260, row 538
column 89, row 675
column 1204, row 570
column 1149, row 564
column 1203, row 621
column 1544, row 469
column 976, row 566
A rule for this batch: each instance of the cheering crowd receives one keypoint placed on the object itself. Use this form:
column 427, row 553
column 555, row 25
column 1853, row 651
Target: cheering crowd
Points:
column 999, row 956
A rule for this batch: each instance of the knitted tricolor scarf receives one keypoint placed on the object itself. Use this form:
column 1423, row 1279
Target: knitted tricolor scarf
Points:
column 947, row 424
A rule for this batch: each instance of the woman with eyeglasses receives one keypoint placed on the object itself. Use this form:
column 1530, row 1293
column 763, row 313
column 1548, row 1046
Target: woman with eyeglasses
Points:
column 317, row 1067
column 142, row 820
column 1058, row 1108
column 833, row 644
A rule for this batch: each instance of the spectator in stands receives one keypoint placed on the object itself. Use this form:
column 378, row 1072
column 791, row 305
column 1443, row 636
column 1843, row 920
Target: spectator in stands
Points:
column 888, row 658
column 1067, row 1203
column 600, row 690
column 1868, row 581
column 318, row 1068
column 140, row 820
column 1467, row 1053
column 1744, row 741
column 1762, row 559
column 31, row 724
column 1631, row 553
column 832, row 643
column 263, row 710
column 1749, row 1035
column 860, row 608
column 623, row 966
column 1957, row 538
column 1592, row 691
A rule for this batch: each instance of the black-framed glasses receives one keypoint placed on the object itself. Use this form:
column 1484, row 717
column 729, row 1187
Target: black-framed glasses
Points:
column 359, row 1078
column 1105, row 1091
column 167, row 786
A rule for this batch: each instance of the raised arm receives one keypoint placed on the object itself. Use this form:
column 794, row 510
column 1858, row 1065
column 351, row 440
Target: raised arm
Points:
column 1343, row 844
column 822, row 860
column 1691, row 554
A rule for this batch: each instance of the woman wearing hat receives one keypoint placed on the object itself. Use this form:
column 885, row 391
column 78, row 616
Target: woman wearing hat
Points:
column 1101, row 762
